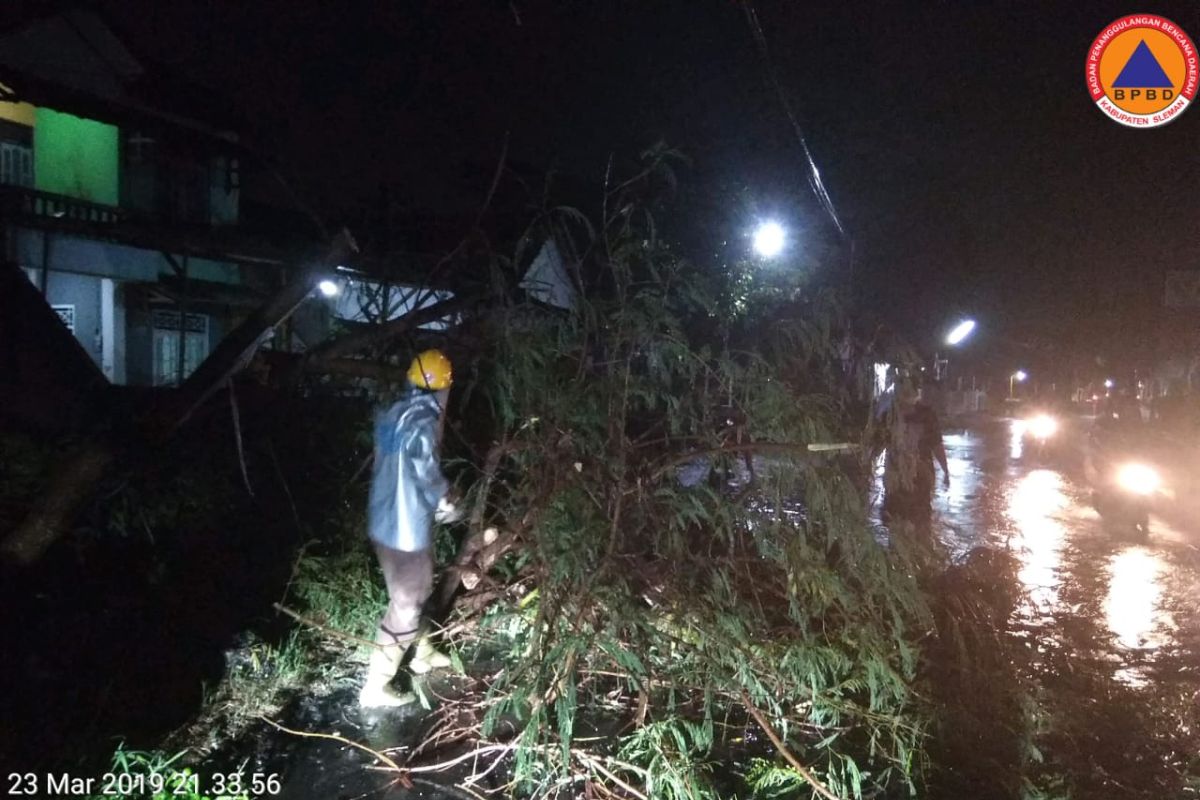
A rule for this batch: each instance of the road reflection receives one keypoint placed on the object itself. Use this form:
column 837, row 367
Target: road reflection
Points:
column 1111, row 623
column 1033, row 505
column 1133, row 606
column 1016, row 442
column 964, row 482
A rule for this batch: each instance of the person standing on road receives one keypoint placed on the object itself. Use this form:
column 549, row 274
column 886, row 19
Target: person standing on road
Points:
column 408, row 494
column 914, row 443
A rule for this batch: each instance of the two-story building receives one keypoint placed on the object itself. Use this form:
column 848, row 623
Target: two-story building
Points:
column 119, row 198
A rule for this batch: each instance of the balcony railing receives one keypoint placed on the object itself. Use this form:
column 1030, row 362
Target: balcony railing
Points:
column 23, row 201
column 62, row 214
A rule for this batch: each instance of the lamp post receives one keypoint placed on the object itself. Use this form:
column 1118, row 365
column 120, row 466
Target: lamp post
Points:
column 1017, row 377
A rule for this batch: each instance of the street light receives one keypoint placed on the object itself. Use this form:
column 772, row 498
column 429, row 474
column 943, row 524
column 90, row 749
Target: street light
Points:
column 1019, row 377
column 961, row 331
column 956, row 336
column 769, row 239
column 328, row 288
column 1108, row 383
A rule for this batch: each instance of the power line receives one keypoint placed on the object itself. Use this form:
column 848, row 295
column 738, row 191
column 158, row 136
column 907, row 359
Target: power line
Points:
column 814, row 174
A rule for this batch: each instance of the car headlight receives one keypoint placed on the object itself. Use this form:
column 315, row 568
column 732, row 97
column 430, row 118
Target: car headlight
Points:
column 1043, row 426
column 1138, row 479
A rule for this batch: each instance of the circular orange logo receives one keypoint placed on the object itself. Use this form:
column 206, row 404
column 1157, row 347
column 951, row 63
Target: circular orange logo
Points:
column 1142, row 70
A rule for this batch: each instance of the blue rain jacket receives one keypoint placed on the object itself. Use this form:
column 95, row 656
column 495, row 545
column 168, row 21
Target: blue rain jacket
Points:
column 406, row 481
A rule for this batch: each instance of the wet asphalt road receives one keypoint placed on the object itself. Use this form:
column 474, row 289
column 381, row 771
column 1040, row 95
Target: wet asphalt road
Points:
column 1110, row 622
column 1141, row 598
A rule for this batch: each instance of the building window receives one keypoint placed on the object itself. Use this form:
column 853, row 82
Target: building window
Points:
column 16, row 164
column 164, row 180
column 166, row 345
column 67, row 314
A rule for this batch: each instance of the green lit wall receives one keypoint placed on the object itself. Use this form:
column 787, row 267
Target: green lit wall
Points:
column 75, row 156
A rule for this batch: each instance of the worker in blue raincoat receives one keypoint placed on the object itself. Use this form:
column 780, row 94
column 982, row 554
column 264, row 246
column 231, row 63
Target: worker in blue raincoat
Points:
column 408, row 494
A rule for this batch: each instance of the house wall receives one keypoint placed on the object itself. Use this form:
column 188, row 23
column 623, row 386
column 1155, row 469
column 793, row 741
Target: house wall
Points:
column 76, row 157
column 77, row 268
column 109, row 260
column 83, row 292
column 20, row 113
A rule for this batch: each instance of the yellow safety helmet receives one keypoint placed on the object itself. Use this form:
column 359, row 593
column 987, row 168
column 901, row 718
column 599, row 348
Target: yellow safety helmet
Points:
column 430, row 370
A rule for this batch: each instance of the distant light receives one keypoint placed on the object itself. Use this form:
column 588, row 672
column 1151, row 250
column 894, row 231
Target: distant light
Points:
column 1020, row 375
column 1108, row 383
column 961, row 331
column 328, row 288
column 1043, row 426
column 769, row 239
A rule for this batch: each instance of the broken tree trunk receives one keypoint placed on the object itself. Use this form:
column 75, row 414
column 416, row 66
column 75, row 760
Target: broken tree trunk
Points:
column 47, row 381
column 375, row 334
column 235, row 350
column 70, row 488
column 331, row 355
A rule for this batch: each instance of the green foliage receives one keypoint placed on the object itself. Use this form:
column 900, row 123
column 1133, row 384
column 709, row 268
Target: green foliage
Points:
column 673, row 753
column 689, row 597
column 139, row 774
column 768, row 780
column 344, row 591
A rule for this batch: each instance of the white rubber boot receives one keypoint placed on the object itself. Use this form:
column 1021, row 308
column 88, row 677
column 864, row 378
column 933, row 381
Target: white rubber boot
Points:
column 377, row 691
column 426, row 657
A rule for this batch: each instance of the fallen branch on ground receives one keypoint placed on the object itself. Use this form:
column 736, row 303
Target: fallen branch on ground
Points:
column 391, row 765
column 787, row 754
column 322, row 628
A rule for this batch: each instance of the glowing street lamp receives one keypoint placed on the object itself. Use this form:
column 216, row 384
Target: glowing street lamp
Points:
column 960, row 332
column 941, row 366
column 769, row 239
column 1108, row 383
column 328, row 288
column 1017, row 377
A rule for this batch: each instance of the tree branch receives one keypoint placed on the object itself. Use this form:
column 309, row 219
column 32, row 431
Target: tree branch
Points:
column 70, row 487
column 782, row 448
column 818, row 787
column 376, row 334
column 236, row 349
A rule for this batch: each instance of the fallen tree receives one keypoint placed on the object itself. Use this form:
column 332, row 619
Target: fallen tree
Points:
column 620, row 583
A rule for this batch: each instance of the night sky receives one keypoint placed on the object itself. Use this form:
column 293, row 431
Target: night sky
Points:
column 957, row 140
